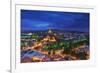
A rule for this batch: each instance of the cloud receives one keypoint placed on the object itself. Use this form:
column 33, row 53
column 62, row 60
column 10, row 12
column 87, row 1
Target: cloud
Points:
column 41, row 20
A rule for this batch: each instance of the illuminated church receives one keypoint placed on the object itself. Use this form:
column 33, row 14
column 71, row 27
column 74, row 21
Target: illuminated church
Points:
column 50, row 37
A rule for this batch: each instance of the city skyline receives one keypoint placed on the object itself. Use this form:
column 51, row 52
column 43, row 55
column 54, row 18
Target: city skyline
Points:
column 54, row 36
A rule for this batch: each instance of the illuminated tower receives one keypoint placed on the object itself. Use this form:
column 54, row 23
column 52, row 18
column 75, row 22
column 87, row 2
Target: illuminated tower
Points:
column 49, row 31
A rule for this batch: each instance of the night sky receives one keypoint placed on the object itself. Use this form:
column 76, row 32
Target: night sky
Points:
column 43, row 20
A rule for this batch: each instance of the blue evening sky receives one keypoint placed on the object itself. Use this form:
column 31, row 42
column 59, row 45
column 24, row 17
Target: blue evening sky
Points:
column 43, row 20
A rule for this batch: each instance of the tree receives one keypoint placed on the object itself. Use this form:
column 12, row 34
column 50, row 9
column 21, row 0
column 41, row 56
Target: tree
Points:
column 46, row 47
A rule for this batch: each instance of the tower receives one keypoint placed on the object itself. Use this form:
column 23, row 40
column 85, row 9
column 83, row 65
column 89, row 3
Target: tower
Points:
column 49, row 31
